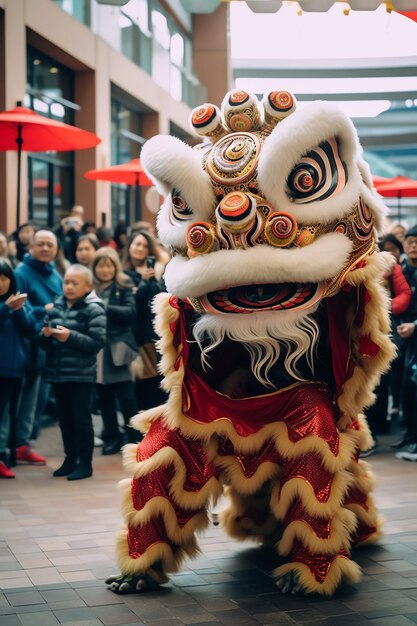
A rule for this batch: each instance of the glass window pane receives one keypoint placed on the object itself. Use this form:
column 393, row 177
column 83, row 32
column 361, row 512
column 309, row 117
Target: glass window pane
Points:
column 175, row 86
column 160, row 29
column 177, row 50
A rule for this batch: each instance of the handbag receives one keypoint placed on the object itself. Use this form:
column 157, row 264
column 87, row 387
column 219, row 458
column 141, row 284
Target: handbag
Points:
column 145, row 364
column 122, row 353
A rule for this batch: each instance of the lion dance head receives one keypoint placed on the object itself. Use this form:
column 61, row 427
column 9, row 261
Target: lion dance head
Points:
column 265, row 219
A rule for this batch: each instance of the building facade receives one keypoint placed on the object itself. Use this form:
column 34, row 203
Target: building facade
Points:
column 125, row 73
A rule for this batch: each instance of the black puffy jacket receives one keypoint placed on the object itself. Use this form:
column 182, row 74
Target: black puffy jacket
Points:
column 121, row 316
column 75, row 359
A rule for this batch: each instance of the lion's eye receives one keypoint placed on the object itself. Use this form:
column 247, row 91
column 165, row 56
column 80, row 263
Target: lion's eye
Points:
column 320, row 174
column 180, row 209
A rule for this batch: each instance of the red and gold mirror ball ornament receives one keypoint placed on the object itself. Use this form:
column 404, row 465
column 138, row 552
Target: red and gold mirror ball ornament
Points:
column 273, row 335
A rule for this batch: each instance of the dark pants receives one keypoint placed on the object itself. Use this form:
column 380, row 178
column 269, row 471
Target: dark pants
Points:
column 149, row 393
column 409, row 403
column 74, row 408
column 377, row 413
column 396, row 376
column 107, row 395
column 9, row 396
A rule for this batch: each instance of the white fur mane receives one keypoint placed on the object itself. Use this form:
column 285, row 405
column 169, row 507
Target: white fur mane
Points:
column 263, row 335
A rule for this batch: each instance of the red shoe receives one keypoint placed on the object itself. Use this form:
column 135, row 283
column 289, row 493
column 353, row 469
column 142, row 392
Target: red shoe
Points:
column 5, row 472
column 25, row 454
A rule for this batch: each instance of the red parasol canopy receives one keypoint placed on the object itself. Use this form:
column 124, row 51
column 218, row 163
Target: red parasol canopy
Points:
column 23, row 129
column 131, row 173
column 397, row 187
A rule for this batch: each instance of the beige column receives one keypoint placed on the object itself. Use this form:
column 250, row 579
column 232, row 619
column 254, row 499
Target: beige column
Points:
column 92, row 93
column 211, row 48
column 14, row 76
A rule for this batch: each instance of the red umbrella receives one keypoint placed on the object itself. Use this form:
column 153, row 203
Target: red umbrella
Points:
column 131, row 173
column 23, row 129
column 378, row 180
column 397, row 187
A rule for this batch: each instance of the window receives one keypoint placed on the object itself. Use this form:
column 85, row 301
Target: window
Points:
column 50, row 91
column 126, row 141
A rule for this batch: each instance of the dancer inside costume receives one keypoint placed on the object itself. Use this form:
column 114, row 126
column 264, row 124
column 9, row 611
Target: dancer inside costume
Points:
column 273, row 335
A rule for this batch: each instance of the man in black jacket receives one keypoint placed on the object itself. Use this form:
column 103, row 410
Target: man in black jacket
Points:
column 407, row 332
column 74, row 332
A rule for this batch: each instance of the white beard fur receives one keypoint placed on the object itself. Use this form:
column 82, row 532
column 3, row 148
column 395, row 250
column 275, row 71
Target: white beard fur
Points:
column 263, row 335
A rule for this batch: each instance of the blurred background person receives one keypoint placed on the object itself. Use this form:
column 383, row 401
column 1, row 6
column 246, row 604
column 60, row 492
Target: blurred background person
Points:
column 406, row 332
column 120, row 237
column 89, row 228
column 61, row 262
column 16, row 323
column 87, row 246
column 143, row 265
column 399, row 231
column 23, row 237
column 68, row 233
column 400, row 293
column 105, row 238
column 114, row 380
column 38, row 277
column 146, row 227
column 393, row 245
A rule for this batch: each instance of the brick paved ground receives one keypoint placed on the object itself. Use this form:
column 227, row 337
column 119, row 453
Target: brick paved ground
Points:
column 56, row 549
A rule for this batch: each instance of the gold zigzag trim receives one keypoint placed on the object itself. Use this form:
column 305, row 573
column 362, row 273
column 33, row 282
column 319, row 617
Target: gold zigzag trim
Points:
column 357, row 391
column 168, row 456
column 342, row 526
column 340, row 568
column 160, row 506
column 299, row 487
column 161, row 551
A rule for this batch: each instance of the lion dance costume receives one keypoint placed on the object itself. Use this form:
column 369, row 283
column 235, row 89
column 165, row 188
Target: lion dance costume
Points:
column 273, row 335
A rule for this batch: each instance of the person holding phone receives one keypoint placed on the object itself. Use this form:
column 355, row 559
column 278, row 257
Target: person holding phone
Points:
column 17, row 322
column 143, row 264
column 37, row 276
column 73, row 333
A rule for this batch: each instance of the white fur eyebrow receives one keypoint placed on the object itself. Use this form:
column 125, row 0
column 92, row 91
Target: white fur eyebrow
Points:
column 170, row 162
column 264, row 264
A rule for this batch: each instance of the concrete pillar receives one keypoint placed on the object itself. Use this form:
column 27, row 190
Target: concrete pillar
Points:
column 211, row 48
column 14, row 77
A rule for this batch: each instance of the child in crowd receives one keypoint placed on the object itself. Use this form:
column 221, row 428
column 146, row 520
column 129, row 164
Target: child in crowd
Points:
column 16, row 323
column 114, row 380
column 73, row 334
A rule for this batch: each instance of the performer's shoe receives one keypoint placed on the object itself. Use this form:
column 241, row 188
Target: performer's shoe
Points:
column 365, row 453
column 81, row 471
column 25, row 454
column 112, row 447
column 405, row 441
column 66, row 468
column 5, row 472
column 408, row 455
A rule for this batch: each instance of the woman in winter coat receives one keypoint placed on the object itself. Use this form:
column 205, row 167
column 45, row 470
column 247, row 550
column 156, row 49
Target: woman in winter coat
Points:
column 16, row 322
column 400, row 292
column 144, row 265
column 114, row 380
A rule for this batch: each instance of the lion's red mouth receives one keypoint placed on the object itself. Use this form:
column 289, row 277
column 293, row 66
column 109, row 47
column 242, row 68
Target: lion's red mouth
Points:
column 260, row 298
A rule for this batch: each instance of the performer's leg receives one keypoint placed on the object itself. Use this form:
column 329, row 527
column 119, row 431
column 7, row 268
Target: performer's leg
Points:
column 250, row 516
column 309, row 499
column 164, row 505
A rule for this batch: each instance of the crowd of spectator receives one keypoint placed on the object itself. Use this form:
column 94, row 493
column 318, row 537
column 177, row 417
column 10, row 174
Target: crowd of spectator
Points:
column 75, row 326
column 77, row 336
